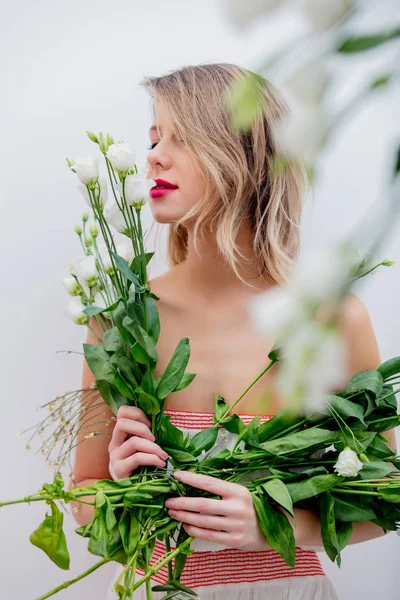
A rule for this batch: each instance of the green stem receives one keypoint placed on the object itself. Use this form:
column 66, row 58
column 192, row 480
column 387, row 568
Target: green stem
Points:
column 342, row 491
column 66, row 584
column 247, row 389
column 160, row 565
column 168, row 547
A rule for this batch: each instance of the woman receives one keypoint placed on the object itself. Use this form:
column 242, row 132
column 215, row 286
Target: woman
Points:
column 234, row 233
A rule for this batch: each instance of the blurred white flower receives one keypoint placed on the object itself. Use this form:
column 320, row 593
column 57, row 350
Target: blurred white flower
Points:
column 300, row 133
column 276, row 310
column 121, row 156
column 87, row 170
column 322, row 14
column 348, row 463
column 137, row 189
column 321, row 276
column 71, row 285
column 103, row 192
column 75, row 308
column 308, row 83
column 313, row 364
column 125, row 250
column 241, row 13
column 115, row 217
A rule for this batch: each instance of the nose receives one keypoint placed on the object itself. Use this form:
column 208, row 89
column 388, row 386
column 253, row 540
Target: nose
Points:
column 158, row 159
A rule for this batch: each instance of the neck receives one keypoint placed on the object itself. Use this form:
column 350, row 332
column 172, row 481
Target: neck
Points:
column 208, row 273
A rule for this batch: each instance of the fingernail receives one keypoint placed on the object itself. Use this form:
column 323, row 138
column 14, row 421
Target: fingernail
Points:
column 165, row 455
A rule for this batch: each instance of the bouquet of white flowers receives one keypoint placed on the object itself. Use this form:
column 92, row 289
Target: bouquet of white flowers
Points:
column 333, row 461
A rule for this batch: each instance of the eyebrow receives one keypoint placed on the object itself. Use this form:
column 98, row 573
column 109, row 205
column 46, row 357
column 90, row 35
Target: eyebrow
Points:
column 154, row 128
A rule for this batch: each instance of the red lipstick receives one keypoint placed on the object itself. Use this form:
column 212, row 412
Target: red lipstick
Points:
column 162, row 187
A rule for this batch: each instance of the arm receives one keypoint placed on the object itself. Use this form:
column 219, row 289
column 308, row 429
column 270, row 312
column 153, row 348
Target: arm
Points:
column 92, row 457
column 363, row 354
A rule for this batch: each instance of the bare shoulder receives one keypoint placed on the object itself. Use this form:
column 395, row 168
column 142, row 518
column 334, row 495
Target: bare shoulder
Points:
column 166, row 287
column 357, row 329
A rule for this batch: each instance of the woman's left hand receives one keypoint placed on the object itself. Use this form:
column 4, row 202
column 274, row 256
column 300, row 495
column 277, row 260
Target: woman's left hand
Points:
column 231, row 521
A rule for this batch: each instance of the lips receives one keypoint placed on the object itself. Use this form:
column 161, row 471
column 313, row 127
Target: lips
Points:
column 161, row 184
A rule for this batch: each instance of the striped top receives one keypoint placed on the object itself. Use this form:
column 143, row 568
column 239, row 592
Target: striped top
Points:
column 230, row 565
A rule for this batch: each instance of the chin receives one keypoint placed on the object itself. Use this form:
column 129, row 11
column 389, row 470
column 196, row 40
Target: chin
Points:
column 165, row 216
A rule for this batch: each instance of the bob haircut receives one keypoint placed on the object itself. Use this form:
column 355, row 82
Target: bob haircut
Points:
column 239, row 169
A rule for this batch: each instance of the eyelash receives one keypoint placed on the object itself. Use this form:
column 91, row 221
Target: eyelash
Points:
column 152, row 145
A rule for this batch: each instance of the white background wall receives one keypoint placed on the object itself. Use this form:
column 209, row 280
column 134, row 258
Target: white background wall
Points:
column 71, row 66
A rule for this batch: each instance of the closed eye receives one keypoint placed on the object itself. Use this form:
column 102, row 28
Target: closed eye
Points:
column 152, row 145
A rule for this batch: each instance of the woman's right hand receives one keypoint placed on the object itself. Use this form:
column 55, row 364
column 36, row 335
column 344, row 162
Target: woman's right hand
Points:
column 132, row 444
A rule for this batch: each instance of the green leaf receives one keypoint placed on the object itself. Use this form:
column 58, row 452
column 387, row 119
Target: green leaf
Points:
column 98, row 361
column 367, row 42
column 91, row 311
column 129, row 530
column 110, row 395
column 50, row 537
column 345, row 408
column 244, row 101
column 284, row 419
column 112, row 340
column 350, row 510
column 364, row 437
column 180, row 455
column 140, row 336
column 123, row 266
column 250, row 433
column 307, row 439
column 173, row 374
column 276, row 528
column 220, row 408
column 366, row 380
column 153, row 319
column 147, row 402
column 308, row 488
column 203, row 440
column 343, row 534
column 185, row 381
column 328, row 525
column 379, row 449
column 234, row 424
column 170, row 435
column 280, row 493
column 375, row 469
column 123, row 388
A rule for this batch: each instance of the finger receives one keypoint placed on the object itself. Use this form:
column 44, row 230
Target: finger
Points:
column 202, row 521
column 210, row 484
column 137, row 444
column 210, row 535
column 139, row 459
column 133, row 412
column 201, row 505
column 124, row 427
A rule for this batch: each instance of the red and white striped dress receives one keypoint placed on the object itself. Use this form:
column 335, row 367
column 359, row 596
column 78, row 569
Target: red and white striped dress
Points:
column 219, row 572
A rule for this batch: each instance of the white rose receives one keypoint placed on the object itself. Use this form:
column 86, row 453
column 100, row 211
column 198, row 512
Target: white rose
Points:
column 121, row 156
column 137, row 189
column 348, row 464
column 71, row 285
column 103, row 192
column 87, row 170
column 85, row 270
column 125, row 250
column 75, row 310
column 115, row 218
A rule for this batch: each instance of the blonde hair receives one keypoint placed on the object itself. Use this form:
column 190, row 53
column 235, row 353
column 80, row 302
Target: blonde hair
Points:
column 239, row 169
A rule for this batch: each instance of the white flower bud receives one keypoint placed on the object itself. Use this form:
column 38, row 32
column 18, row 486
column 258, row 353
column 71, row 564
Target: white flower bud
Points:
column 85, row 270
column 71, row 285
column 75, row 308
column 93, row 229
column 348, row 464
column 122, row 157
